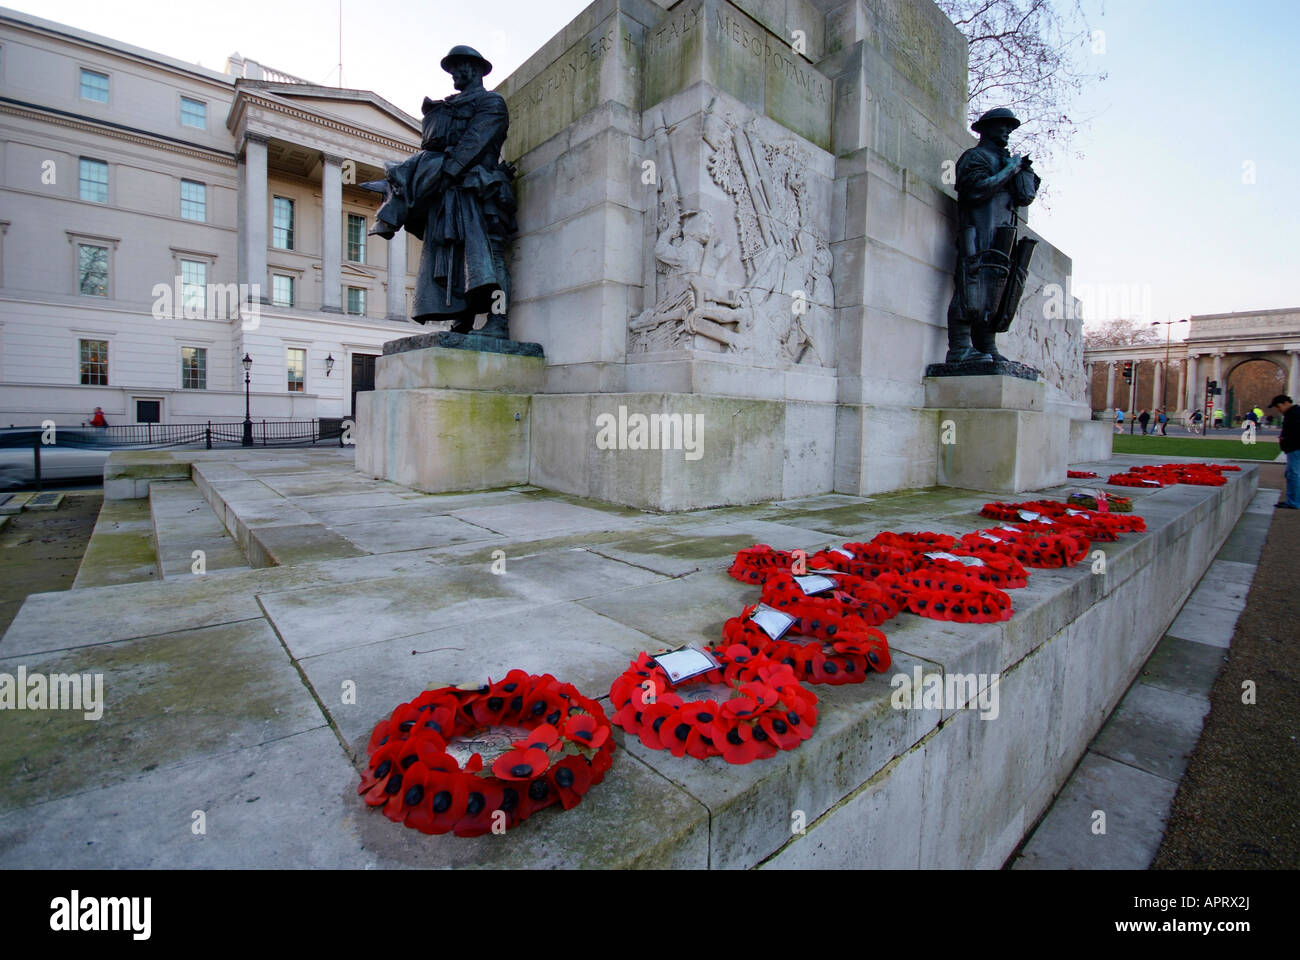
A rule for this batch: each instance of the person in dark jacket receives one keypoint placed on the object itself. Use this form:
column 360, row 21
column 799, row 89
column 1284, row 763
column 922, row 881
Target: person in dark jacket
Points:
column 1290, row 444
column 1143, row 420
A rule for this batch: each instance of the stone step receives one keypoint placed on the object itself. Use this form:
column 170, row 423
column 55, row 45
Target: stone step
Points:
column 188, row 533
column 121, row 547
column 270, row 530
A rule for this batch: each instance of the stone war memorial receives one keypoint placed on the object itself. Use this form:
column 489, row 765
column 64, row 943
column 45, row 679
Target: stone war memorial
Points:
column 739, row 505
column 715, row 228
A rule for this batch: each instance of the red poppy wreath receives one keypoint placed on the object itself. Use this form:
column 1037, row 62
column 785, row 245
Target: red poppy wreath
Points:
column 823, row 645
column 768, row 711
column 565, row 748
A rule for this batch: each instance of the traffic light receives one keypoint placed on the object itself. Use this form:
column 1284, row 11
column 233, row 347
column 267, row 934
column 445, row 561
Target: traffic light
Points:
column 1128, row 371
column 1215, row 389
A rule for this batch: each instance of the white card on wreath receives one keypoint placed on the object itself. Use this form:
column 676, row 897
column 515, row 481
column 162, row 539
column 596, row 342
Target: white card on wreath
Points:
column 686, row 663
column 772, row 621
column 815, row 583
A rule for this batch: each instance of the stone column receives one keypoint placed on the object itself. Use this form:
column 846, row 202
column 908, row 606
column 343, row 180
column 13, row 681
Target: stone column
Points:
column 1180, row 398
column 1110, row 384
column 1158, row 385
column 397, row 276
column 331, row 265
column 1293, row 376
column 1218, row 372
column 253, row 218
column 1194, row 385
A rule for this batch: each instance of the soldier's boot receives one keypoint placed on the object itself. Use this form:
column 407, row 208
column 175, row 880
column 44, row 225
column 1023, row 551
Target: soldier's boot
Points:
column 498, row 325
column 960, row 349
column 462, row 323
column 984, row 339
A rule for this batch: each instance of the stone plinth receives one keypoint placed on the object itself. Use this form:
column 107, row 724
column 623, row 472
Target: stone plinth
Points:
column 676, row 451
column 443, row 419
column 972, row 392
column 1003, row 451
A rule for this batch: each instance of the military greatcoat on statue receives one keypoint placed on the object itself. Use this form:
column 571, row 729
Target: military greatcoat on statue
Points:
column 457, row 196
column 992, row 186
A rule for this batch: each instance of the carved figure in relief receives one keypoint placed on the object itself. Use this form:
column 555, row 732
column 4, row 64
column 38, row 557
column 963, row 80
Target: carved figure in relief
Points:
column 778, row 312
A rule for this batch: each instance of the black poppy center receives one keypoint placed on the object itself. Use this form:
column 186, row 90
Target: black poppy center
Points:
column 564, row 777
column 414, row 795
column 475, row 804
column 442, row 801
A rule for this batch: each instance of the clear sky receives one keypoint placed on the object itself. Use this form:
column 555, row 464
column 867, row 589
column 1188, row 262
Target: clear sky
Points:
column 1184, row 201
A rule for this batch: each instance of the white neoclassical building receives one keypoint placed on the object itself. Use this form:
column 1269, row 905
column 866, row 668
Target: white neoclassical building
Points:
column 1216, row 344
column 159, row 221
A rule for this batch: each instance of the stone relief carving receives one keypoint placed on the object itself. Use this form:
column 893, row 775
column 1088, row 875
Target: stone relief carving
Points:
column 780, row 311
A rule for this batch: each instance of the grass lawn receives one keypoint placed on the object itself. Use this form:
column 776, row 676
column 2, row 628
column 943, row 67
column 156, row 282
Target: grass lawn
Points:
column 1224, row 447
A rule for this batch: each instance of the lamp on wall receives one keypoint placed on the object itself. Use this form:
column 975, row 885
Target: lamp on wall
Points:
column 329, row 364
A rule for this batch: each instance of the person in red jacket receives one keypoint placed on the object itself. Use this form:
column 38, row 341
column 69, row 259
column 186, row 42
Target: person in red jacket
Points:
column 98, row 419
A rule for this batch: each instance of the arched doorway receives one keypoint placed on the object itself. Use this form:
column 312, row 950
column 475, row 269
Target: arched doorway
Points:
column 1252, row 382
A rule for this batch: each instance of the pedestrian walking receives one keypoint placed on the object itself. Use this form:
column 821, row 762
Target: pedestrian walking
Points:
column 97, row 420
column 1290, row 444
column 1143, row 420
column 1163, row 419
column 1119, row 420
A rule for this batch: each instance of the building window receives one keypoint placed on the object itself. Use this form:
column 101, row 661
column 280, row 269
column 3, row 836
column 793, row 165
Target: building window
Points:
column 148, row 411
column 357, row 301
column 94, row 363
column 194, row 201
column 282, row 223
column 356, row 238
column 281, row 290
column 194, row 368
column 194, row 287
column 94, row 180
column 94, row 86
column 92, row 270
column 297, row 369
column 194, row 113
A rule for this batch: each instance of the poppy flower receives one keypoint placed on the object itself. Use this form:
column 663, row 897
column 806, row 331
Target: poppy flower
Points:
column 583, row 729
column 740, row 747
column 521, row 764
column 442, row 805
column 601, row 762
column 434, row 756
column 542, row 737
column 489, row 709
column 570, row 779
column 778, row 731
column 383, row 763
column 653, row 719
column 482, row 800
column 405, row 790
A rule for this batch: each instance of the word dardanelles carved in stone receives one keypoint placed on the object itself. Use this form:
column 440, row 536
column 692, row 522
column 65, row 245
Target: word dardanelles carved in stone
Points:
column 780, row 309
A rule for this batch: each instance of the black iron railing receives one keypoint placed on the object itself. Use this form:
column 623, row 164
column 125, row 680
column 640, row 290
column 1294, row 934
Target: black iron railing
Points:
column 153, row 436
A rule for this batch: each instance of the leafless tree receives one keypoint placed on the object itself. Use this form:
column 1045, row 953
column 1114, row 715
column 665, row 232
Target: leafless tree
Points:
column 1033, row 56
column 1119, row 333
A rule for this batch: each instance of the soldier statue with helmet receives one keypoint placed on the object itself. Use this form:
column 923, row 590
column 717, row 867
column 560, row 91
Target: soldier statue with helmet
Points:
column 457, row 196
column 992, row 186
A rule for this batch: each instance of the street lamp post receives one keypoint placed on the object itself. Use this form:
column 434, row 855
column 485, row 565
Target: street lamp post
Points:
column 248, row 416
column 1164, row 384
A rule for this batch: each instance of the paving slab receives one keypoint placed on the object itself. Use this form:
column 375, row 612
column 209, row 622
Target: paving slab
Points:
column 1135, row 804
column 1153, row 729
column 563, row 639
column 686, row 610
column 121, row 548
column 1184, row 667
column 274, row 805
column 542, row 516
column 166, row 699
column 1206, row 623
column 287, row 544
column 410, row 533
column 321, row 619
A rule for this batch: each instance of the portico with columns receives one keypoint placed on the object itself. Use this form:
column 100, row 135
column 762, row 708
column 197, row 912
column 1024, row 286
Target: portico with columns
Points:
column 1216, row 345
column 308, row 148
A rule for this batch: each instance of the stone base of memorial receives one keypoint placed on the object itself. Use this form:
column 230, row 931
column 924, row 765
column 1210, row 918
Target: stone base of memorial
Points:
column 449, row 412
column 995, row 433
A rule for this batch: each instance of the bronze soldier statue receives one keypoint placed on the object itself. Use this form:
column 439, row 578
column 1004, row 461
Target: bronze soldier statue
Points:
column 457, row 196
column 992, row 186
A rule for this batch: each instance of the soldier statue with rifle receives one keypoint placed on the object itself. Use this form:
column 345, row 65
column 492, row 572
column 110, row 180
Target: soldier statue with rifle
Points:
column 992, row 186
